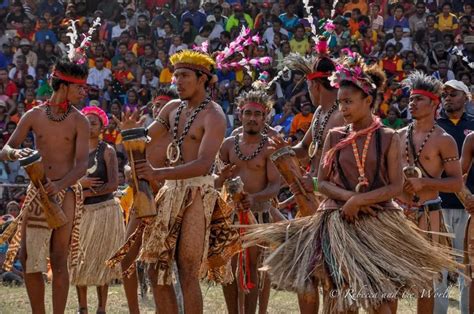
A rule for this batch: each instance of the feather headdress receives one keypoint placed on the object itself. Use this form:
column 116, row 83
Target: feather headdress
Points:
column 233, row 57
column 78, row 54
column 193, row 60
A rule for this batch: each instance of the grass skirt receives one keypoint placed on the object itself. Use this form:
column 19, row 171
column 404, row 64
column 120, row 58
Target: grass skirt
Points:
column 363, row 264
column 102, row 232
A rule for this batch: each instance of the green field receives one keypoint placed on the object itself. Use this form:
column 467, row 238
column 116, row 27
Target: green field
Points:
column 15, row 300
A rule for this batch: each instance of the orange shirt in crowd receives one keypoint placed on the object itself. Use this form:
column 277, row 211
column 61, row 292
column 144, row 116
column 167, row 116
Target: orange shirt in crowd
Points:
column 300, row 122
column 362, row 6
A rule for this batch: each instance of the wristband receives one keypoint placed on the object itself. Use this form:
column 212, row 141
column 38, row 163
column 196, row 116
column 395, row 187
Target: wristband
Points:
column 315, row 184
column 10, row 154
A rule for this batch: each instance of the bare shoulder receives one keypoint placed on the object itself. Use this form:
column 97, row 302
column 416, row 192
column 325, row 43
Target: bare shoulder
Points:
column 214, row 115
column 237, row 131
column 80, row 119
column 228, row 143
column 402, row 131
column 165, row 111
column 443, row 138
column 216, row 109
column 109, row 149
column 469, row 138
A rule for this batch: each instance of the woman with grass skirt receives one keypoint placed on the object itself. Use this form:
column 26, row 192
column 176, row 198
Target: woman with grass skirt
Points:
column 359, row 245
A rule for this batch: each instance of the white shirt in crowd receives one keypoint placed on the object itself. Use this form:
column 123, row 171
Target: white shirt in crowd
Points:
column 117, row 31
column 153, row 83
column 31, row 71
column 174, row 49
column 270, row 33
column 405, row 41
column 97, row 77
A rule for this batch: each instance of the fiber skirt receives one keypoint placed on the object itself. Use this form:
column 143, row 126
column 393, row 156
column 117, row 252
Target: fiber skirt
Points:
column 102, row 232
column 361, row 265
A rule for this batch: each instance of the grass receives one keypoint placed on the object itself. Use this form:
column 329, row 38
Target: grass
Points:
column 15, row 300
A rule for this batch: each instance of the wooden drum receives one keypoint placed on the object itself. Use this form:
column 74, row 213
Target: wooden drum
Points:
column 134, row 141
column 55, row 216
column 287, row 163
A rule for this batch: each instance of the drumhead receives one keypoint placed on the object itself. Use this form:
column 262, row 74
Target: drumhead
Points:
column 281, row 152
column 26, row 161
column 133, row 134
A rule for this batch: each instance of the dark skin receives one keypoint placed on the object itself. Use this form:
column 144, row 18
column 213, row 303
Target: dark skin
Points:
column 156, row 155
column 356, row 109
column 326, row 99
column 440, row 145
column 199, row 150
column 466, row 164
column 95, row 187
column 62, row 170
column 261, row 183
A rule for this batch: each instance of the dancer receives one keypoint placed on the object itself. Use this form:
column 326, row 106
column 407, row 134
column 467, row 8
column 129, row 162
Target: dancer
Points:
column 156, row 154
column 359, row 210
column 327, row 116
column 55, row 124
column 182, row 230
column 102, row 229
column 428, row 152
column 249, row 154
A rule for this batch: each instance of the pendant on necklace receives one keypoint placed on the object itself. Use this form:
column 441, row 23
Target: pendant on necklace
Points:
column 173, row 153
column 312, row 149
column 412, row 172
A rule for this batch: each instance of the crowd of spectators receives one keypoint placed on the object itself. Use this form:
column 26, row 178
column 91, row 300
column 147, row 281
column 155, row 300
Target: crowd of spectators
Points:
column 129, row 54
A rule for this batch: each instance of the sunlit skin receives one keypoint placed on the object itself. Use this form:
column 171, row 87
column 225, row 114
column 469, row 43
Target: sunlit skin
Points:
column 356, row 109
column 95, row 187
column 62, row 171
column 199, row 150
column 261, row 183
column 440, row 145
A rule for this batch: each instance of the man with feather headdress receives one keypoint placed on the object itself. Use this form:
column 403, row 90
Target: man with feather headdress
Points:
column 56, row 123
column 191, row 227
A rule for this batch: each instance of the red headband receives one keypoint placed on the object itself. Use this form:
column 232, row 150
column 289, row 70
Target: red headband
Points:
column 428, row 94
column 98, row 112
column 162, row 97
column 255, row 104
column 67, row 78
column 318, row 74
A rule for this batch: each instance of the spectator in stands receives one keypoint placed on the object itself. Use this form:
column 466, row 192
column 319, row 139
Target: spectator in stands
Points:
column 398, row 19
column 197, row 17
column 418, row 20
column 302, row 120
column 25, row 50
column 238, row 19
column 446, row 21
column 99, row 75
column 399, row 39
column 289, row 19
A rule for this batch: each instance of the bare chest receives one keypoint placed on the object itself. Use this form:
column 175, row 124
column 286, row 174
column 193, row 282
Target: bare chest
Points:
column 187, row 127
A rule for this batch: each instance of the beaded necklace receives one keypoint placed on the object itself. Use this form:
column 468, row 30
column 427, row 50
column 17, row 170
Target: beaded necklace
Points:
column 173, row 152
column 318, row 131
column 363, row 181
column 239, row 153
column 50, row 116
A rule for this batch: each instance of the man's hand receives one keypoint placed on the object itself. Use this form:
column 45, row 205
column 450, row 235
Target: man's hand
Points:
column 15, row 154
column 88, row 182
column 247, row 201
column 145, row 171
column 413, row 185
column 350, row 210
column 307, row 184
column 227, row 172
column 130, row 120
column 277, row 142
column 51, row 188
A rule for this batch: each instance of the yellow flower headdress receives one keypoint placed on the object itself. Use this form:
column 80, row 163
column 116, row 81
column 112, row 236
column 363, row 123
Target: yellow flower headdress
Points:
column 193, row 60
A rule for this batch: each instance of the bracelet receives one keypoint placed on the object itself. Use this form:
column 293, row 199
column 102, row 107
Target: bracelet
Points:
column 315, row 184
column 10, row 154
